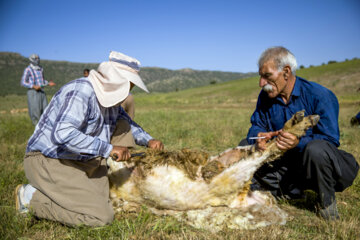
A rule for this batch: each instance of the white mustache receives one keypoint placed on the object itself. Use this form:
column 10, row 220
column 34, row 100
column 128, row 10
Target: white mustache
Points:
column 267, row 88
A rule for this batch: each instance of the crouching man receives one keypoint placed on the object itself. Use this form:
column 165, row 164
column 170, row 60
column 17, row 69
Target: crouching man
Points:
column 312, row 162
column 65, row 159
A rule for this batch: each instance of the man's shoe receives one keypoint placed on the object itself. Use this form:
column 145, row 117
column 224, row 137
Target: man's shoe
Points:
column 19, row 196
column 329, row 213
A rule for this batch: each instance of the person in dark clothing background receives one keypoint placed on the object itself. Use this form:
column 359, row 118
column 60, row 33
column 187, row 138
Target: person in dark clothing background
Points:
column 86, row 72
column 33, row 79
column 312, row 162
column 355, row 121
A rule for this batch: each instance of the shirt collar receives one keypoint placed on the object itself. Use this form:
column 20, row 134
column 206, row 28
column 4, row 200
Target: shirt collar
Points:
column 296, row 90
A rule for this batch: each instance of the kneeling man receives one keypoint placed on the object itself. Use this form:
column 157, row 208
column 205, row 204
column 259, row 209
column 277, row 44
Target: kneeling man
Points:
column 65, row 159
column 312, row 162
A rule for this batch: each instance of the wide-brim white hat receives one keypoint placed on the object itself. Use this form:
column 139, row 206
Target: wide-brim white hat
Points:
column 111, row 81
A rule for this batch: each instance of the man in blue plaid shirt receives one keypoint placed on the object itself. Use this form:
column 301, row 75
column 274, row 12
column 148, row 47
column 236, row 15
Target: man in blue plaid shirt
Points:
column 33, row 79
column 65, row 159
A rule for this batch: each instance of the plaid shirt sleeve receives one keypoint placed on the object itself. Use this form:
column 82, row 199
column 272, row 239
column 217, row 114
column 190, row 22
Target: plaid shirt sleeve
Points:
column 65, row 133
column 140, row 135
column 42, row 80
column 26, row 80
column 45, row 83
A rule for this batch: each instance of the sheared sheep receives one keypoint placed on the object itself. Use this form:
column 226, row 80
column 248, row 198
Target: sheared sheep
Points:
column 210, row 193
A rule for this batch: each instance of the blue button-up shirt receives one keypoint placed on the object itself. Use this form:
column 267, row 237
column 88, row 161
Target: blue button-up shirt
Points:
column 75, row 126
column 33, row 77
column 272, row 113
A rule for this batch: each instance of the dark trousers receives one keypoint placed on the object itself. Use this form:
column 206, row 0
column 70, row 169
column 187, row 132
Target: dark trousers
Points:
column 37, row 102
column 321, row 167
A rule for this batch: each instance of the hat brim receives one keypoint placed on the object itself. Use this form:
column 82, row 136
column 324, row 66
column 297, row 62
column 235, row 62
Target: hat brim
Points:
column 108, row 98
column 131, row 76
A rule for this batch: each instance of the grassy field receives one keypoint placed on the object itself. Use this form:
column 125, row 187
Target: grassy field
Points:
column 211, row 118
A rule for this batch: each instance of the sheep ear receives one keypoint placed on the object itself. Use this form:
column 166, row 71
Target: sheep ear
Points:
column 299, row 116
column 295, row 119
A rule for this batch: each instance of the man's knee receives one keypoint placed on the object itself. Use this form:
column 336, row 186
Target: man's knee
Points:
column 106, row 218
column 317, row 151
column 101, row 215
column 43, row 207
column 98, row 219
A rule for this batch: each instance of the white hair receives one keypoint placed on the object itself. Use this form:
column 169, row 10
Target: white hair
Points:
column 281, row 57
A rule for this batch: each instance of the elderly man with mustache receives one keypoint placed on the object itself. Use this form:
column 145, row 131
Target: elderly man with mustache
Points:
column 312, row 162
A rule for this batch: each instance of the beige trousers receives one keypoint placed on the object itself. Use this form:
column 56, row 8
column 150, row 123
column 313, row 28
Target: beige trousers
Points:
column 129, row 106
column 73, row 192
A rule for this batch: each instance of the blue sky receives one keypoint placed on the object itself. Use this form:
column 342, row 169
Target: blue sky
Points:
column 221, row 35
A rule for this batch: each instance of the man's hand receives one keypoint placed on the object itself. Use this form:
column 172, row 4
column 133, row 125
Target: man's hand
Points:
column 37, row 87
column 51, row 83
column 156, row 144
column 261, row 142
column 286, row 141
column 120, row 153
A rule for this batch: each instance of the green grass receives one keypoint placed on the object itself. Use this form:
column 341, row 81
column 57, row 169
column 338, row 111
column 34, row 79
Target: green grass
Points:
column 211, row 118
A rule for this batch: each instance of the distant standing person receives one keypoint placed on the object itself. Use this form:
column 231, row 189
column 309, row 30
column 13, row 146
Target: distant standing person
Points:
column 33, row 79
column 86, row 72
column 129, row 106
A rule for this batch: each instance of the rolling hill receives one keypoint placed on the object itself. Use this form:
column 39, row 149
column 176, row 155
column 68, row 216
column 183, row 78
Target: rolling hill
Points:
column 12, row 66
